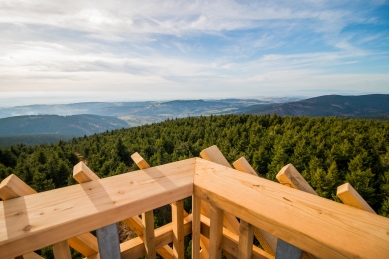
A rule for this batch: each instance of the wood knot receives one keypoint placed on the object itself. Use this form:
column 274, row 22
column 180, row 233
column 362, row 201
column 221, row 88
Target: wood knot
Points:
column 27, row 228
column 286, row 199
column 19, row 213
column 121, row 192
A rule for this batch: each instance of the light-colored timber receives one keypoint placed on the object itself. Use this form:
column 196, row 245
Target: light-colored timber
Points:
column 94, row 204
column 246, row 238
column 61, row 250
column 231, row 241
column 178, row 229
column 82, row 173
column 148, row 234
column 349, row 196
column 140, row 161
column 324, row 228
column 12, row 187
column 216, row 233
column 289, row 176
column 267, row 241
column 196, row 209
column 325, row 217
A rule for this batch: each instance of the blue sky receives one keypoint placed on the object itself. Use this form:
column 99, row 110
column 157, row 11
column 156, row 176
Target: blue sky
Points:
column 70, row 51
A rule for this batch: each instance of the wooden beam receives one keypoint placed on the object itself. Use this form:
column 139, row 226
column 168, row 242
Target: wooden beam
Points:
column 231, row 241
column 349, row 196
column 311, row 223
column 108, row 239
column 216, row 233
column 196, row 204
column 49, row 217
column 246, row 238
column 289, row 176
column 61, row 250
column 267, row 241
column 12, row 187
column 82, row 173
column 140, row 161
column 178, row 229
column 166, row 251
column 134, row 248
column 86, row 244
column 148, row 234
column 286, row 251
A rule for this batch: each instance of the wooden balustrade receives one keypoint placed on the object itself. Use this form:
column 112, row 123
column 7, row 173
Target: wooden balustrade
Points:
column 287, row 222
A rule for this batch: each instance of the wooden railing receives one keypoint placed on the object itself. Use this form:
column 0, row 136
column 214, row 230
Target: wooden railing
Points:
column 288, row 223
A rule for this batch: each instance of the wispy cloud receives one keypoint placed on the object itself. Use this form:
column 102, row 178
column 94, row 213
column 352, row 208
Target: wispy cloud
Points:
column 207, row 48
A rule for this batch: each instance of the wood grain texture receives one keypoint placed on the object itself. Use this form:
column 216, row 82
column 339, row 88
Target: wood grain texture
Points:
column 134, row 248
column 289, row 176
column 50, row 217
column 246, row 238
column 61, row 250
column 267, row 241
column 139, row 161
column 311, row 223
column 349, row 196
column 82, row 173
column 12, row 187
column 231, row 241
column 216, row 232
column 108, row 240
column 148, row 234
column 86, row 244
column 178, row 229
column 196, row 209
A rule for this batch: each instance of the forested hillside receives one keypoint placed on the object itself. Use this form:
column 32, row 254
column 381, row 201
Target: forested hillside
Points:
column 327, row 151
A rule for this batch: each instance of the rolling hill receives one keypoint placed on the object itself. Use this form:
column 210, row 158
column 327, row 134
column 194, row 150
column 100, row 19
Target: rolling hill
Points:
column 374, row 106
column 75, row 125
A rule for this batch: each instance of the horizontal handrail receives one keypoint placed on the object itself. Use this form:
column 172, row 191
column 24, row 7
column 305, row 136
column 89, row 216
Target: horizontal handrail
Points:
column 57, row 215
column 314, row 224
column 319, row 226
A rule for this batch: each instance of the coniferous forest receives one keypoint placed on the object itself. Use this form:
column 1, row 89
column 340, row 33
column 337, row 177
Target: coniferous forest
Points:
column 327, row 151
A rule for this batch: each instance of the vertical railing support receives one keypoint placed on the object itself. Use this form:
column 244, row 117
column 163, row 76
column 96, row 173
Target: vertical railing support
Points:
column 196, row 208
column 216, row 232
column 178, row 229
column 246, row 238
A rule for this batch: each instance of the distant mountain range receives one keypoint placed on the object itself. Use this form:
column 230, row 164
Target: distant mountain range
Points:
column 34, row 128
column 75, row 125
column 374, row 106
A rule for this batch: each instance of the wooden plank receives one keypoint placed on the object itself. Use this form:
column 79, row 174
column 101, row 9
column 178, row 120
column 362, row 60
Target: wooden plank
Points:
column 286, row 251
column 50, row 217
column 267, row 241
column 349, row 196
column 108, row 240
column 139, row 161
column 86, row 244
column 82, row 173
column 216, row 233
column 231, row 241
column 215, row 155
column 289, row 176
column 61, row 250
column 246, row 238
column 12, row 187
column 196, row 204
column 134, row 248
column 31, row 255
column 166, row 252
column 178, row 229
column 319, row 226
column 148, row 234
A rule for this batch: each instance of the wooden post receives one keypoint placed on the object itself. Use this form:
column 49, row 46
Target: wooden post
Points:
column 178, row 229
column 196, row 204
column 216, row 233
column 108, row 239
column 267, row 241
column 148, row 233
column 166, row 252
column 289, row 176
column 348, row 195
column 61, row 250
column 246, row 238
